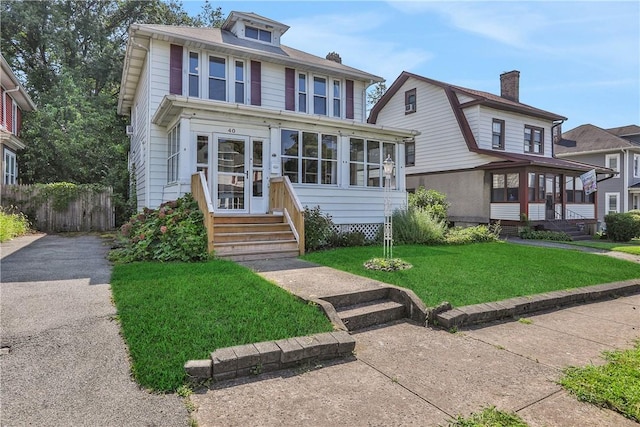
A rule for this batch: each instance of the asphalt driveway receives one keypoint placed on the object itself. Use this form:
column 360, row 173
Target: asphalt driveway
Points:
column 63, row 361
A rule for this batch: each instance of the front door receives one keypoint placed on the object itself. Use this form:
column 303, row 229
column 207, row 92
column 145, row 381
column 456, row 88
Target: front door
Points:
column 231, row 186
column 552, row 198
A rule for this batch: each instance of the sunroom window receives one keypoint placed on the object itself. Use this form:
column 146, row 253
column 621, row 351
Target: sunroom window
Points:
column 313, row 162
column 505, row 187
column 365, row 162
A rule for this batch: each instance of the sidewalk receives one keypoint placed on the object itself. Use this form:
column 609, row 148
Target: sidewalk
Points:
column 63, row 361
column 405, row 374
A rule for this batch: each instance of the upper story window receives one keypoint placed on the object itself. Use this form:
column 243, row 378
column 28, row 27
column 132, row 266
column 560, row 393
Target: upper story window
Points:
column 239, row 83
column 533, row 140
column 366, row 162
column 257, row 34
column 337, row 98
column 612, row 161
column 636, row 165
column 320, row 96
column 497, row 134
column 315, row 162
column 194, row 74
column 410, row 153
column 217, row 79
column 410, row 102
column 302, row 93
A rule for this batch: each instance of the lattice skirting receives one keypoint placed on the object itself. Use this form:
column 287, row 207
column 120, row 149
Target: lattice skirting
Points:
column 369, row 230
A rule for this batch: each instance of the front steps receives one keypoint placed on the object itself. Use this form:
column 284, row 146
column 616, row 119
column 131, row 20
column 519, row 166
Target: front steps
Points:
column 253, row 237
column 575, row 231
column 363, row 309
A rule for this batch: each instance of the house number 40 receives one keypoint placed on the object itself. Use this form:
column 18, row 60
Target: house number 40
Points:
column 231, row 130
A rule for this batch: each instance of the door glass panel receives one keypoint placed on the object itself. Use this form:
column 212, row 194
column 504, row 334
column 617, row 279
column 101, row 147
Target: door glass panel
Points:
column 231, row 174
column 202, row 155
column 257, row 169
column 231, row 193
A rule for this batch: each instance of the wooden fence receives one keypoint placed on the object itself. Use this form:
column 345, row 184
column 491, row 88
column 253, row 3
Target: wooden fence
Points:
column 90, row 210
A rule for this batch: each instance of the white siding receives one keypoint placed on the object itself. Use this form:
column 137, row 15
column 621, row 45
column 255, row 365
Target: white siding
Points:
column 350, row 206
column 159, row 73
column 441, row 145
column 584, row 210
column 537, row 211
column 505, row 211
column 514, row 129
column 140, row 138
column 272, row 86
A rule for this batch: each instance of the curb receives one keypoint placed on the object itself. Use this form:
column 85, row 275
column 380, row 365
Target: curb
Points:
column 487, row 312
column 254, row 359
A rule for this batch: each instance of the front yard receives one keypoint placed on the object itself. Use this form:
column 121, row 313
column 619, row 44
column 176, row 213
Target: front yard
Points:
column 482, row 272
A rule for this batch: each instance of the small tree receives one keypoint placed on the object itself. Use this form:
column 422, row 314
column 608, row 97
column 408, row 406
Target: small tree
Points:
column 432, row 201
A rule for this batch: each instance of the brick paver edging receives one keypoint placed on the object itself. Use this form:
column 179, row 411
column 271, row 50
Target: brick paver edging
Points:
column 486, row 312
column 253, row 359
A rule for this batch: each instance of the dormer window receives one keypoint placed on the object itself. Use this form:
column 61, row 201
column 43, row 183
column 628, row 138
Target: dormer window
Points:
column 257, row 34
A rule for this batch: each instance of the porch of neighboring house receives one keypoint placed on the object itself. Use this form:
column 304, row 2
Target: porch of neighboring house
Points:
column 242, row 236
column 553, row 200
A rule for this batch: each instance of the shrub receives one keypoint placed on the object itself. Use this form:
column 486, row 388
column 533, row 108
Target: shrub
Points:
column 173, row 232
column 353, row 238
column 318, row 229
column 477, row 234
column 416, row 226
column 622, row 227
column 558, row 236
column 12, row 224
column 431, row 201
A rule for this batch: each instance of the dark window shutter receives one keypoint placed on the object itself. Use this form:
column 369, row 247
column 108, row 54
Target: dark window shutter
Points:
column 175, row 70
column 289, row 89
column 256, row 83
column 349, row 99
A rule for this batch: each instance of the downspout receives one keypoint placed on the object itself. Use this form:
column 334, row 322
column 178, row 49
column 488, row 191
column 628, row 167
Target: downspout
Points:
column 555, row 125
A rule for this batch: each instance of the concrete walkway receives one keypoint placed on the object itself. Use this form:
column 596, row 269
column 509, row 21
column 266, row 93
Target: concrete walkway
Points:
column 405, row 374
column 63, row 361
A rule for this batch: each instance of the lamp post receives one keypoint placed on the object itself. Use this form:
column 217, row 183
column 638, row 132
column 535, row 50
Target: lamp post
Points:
column 388, row 226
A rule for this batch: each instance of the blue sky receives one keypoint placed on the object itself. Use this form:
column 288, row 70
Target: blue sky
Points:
column 577, row 59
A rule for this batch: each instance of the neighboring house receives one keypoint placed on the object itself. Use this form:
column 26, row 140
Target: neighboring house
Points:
column 491, row 155
column 246, row 110
column 14, row 101
column 617, row 149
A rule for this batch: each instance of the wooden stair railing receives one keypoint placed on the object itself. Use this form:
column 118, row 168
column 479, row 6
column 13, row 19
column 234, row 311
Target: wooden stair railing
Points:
column 282, row 198
column 199, row 191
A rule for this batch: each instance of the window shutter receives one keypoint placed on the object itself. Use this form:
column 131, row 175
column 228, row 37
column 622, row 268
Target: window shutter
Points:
column 175, row 70
column 9, row 113
column 18, row 121
column 349, row 99
column 289, row 89
column 256, row 83
column 1, row 107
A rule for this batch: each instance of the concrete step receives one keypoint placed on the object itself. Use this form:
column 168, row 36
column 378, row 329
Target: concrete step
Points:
column 371, row 313
column 253, row 236
column 355, row 298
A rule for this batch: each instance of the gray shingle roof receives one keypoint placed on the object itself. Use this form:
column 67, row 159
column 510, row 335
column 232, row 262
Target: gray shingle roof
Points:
column 591, row 138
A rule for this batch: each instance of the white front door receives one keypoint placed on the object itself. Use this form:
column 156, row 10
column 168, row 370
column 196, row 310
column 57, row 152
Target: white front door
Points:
column 231, row 184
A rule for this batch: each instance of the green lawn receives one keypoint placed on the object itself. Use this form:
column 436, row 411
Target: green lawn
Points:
column 631, row 248
column 489, row 417
column 174, row 312
column 482, row 272
column 615, row 385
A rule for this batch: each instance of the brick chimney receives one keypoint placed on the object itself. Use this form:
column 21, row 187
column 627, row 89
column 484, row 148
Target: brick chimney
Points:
column 510, row 85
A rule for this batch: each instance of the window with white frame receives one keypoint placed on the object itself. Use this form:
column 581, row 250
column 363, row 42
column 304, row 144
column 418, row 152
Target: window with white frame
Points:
column 302, row 93
column 257, row 34
column 194, row 74
column 217, row 78
column 636, row 165
column 612, row 161
column 173, row 154
column 611, row 203
column 337, row 98
column 309, row 157
column 10, row 167
column 239, row 83
column 366, row 162
column 533, row 140
column 320, row 96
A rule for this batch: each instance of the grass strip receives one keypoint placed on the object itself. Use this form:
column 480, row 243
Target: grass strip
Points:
column 482, row 272
column 489, row 417
column 615, row 385
column 174, row 312
column 630, row 248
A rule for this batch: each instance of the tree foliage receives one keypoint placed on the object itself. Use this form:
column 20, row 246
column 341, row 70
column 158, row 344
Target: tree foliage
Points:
column 69, row 55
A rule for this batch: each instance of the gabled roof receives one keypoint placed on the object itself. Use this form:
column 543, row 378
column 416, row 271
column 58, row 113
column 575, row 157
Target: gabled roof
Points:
column 225, row 42
column 589, row 138
column 10, row 81
column 235, row 16
column 628, row 130
column 479, row 97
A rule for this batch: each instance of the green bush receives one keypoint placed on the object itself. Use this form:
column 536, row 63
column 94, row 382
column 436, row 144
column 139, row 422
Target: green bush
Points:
column 173, row 232
column 318, row 229
column 430, row 200
column 558, row 236
column 622, row 227
column 12, row 224
column 477, row 234
column 343, row 240
column 416, row 226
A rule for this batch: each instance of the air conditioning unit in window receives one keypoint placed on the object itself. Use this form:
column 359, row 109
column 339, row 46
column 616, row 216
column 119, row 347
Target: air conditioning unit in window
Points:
column 129, row 130
column 409, row 108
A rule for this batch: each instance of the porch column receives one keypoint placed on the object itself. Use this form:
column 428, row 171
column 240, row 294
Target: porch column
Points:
column 524, row 192
column 186, row 166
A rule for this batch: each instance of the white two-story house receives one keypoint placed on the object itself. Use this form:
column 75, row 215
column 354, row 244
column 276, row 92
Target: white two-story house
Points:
column 246, row 111
column 491, row 155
